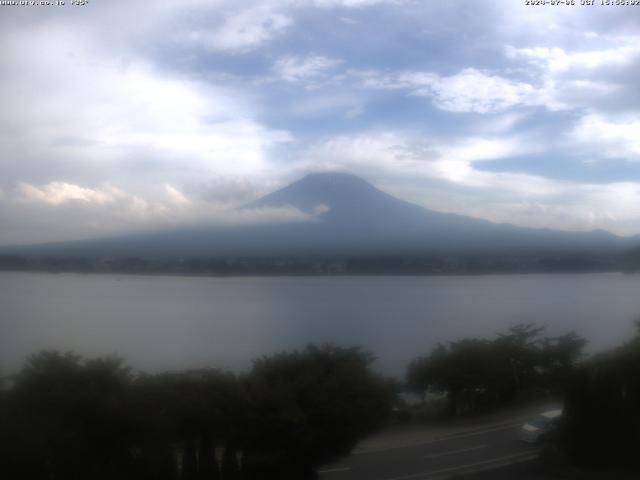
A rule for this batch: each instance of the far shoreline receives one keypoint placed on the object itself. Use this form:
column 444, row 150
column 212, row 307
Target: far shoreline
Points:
column 320, row 275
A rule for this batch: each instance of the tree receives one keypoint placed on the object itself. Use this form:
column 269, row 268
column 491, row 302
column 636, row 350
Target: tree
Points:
column 601, row 420
column 311, row 407
column 186, row 414
column 69, row 418
column 425, row 373
column 521, row 345
column 559, row 357
column 480, row 373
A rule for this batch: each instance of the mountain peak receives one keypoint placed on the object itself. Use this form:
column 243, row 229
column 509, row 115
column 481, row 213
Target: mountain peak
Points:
column 345, row 179
column 357, row 219
column 331, row 189
column 349, row 199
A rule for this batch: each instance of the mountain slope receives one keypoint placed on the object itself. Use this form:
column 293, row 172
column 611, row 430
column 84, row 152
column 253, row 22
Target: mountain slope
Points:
column 355, row 207
column 350, row 217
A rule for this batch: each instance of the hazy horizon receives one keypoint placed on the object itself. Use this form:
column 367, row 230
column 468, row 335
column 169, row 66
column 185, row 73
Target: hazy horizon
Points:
column 122, row 118
column 294, row 204
column 309, row 239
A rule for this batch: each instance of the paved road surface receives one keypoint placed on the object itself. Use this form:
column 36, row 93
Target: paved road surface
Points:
column 493, row 448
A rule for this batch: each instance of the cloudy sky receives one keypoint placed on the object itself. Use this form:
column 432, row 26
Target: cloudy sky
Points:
column 122, row 116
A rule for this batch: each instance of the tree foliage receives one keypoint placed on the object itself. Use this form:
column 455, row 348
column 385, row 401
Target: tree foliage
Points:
column 69, row 418
column 313, row 406
column 480, row 373
column 601, row 421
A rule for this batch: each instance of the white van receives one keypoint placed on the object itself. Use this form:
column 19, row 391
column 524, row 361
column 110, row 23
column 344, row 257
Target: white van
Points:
column 540, row 427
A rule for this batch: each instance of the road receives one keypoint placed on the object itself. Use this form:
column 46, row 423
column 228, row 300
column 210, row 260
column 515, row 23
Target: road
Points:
column 487, row 449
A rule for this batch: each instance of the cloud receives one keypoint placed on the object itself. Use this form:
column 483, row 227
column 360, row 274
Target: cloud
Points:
column 536, row 76
column 444, row 175
column 233, row 191
column 175, row 196
column 487, row 148
column 285, row 214
column 469, row 90
column 101, row 115
column 108, row 210
column 472, row 91
column 352, row 3
column 242, row 30
column 354, row 112
column 173, row 112
column 294, row 69
column 603, row 137
column 57, row 193
column 558, row 60
column 60, row 195
column 590, row 78
column 387, row 152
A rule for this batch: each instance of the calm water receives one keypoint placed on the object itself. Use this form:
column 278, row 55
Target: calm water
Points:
column 175, row 322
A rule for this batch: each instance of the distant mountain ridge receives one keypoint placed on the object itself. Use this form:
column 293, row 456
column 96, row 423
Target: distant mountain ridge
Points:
column 356, row 205
column 351, row 217
column 348, row 198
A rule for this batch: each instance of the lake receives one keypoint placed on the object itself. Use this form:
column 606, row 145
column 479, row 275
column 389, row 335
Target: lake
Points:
column 167, row 323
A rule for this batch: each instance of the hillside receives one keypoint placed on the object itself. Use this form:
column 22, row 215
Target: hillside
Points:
column 350, row 217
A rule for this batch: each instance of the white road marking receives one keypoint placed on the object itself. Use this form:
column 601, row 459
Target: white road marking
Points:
column 335, row 470
column 471, row 467
column 443, row 438
column 453, row 452
column 477, row 432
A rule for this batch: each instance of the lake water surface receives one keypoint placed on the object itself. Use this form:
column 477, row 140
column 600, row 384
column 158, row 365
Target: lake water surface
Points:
column 159, row 323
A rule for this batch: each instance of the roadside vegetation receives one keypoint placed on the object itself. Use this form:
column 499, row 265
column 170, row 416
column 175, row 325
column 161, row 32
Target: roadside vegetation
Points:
column 476, row 375
column 64, row 417
column 601, row 426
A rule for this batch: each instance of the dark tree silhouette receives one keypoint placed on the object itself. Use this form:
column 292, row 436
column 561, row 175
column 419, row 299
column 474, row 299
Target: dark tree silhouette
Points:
column 601, row 421
column 66, row 418
column 479, row 373
column 311, row 407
